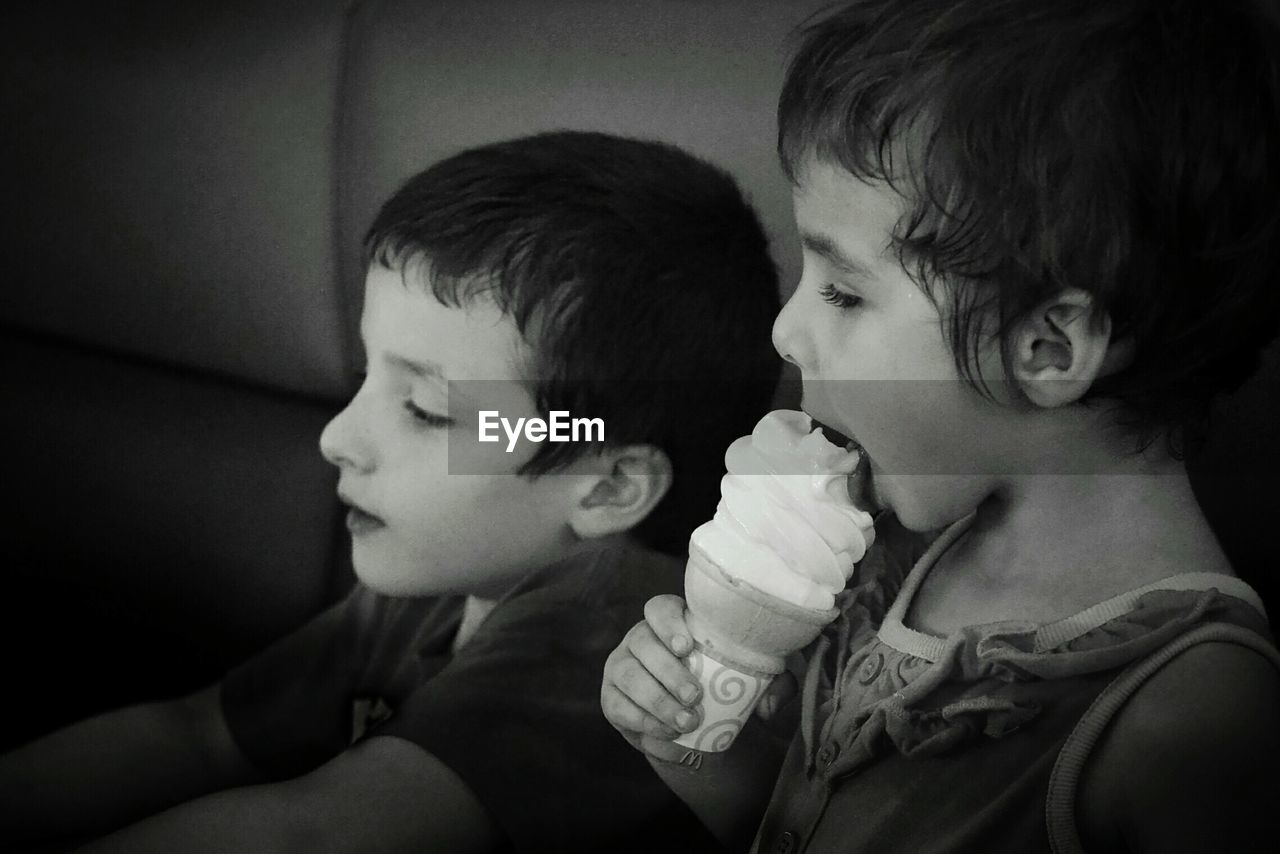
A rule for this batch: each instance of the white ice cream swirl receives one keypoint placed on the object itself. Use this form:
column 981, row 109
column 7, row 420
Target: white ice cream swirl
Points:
column 786, row 524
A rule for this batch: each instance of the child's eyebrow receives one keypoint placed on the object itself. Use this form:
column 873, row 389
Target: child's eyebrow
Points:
column 822, row 245
column 427, row 370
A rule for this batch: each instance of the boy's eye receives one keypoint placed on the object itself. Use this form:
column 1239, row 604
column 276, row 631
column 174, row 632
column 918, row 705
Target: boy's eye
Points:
column 833, row 295
column 425, row 418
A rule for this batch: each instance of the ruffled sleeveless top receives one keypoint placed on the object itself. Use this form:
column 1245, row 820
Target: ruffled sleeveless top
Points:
column 976, row 718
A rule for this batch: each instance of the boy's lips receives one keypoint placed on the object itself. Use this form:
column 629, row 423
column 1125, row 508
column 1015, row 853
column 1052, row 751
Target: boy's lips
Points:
column 359, row 520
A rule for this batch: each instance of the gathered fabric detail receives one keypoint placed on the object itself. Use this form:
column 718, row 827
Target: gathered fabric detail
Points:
column 874, row 684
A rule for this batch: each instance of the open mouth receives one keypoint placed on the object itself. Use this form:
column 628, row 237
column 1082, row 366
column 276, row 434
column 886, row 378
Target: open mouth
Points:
column 860, row 484
column 832, row 435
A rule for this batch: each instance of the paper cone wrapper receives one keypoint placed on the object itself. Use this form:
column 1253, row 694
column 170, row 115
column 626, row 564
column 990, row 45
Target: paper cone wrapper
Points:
column 741, row 637
column 729, row 696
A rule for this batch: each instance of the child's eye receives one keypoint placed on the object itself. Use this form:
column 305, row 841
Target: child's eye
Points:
column 425, row 418
column 831, row 294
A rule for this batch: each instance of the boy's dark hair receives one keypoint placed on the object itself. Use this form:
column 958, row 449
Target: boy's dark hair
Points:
column 1129, row 148
column 638, row 273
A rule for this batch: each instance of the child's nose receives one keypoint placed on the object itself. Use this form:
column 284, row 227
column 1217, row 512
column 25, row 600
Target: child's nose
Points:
column 343, row 443
column 788, row 335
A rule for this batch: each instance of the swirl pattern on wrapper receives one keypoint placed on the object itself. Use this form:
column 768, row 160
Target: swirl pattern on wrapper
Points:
column 719, row 736
column 785, row 523
column 724, row 711
column 727, row 686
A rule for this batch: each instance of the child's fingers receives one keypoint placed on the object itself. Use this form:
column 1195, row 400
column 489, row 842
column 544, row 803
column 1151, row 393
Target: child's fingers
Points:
column 665, row 615
column 633, row 721
column 781, row 691
column 634, row 680
column 669, row 670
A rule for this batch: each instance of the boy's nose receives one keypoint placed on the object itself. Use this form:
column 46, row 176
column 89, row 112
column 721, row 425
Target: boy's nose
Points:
column 788, row 335
column 343, row 443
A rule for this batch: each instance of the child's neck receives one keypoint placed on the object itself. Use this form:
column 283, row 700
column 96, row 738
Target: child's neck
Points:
column 1044, row 547
column 474, row 610
column 475, row 607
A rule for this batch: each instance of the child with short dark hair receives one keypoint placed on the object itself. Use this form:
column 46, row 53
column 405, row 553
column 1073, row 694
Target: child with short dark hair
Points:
column 1038, row 239
column 450, row 701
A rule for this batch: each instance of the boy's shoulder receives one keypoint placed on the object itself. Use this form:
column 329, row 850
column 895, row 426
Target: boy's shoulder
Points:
column 1192, row 758
column 611, row 569
column 602, row 586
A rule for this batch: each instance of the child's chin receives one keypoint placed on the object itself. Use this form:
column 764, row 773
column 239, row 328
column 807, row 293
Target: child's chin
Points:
column 887, row 494
column 924, row 503
column 388, row 581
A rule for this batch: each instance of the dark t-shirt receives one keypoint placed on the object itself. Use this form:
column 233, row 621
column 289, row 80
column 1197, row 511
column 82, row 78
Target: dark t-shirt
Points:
column 515, row 713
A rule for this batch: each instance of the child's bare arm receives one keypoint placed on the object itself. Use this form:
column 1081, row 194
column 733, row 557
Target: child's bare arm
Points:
column 383, row 795
column 650, row 697
column 1192, row 762
column 117, row 767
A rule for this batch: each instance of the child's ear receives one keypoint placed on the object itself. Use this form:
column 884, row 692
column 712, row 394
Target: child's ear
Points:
column 628, row 484
column 1061, row 349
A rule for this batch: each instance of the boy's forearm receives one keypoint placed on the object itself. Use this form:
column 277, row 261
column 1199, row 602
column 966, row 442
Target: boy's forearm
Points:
column 249, row 819
column 383, row 795
column 106, row 771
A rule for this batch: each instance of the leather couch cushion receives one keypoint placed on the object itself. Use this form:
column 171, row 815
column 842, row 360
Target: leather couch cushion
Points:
column 425, row 80
column 200, row 506
column 171, row 165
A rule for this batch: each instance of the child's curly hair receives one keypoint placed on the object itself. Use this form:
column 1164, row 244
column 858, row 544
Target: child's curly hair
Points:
column 1128, row 148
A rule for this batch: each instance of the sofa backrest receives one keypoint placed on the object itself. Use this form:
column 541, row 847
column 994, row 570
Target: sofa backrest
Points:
column 188, row 185
column 174, row 325
column 187, row 188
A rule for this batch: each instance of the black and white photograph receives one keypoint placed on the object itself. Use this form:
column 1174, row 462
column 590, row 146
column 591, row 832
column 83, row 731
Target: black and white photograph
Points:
column 628, row 426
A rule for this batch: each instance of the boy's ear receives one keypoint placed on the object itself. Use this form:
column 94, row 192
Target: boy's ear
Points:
column 1061, row 349
column 626, row 487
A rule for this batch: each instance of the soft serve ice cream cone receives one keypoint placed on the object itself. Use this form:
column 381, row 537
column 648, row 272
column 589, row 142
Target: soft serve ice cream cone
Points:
column 763, row 574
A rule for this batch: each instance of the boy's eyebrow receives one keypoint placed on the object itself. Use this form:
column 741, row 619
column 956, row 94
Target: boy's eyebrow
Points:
column 822, row 245
column 426, row 370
